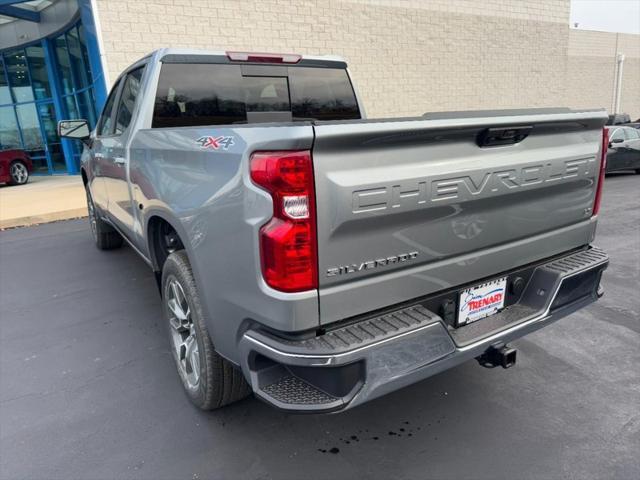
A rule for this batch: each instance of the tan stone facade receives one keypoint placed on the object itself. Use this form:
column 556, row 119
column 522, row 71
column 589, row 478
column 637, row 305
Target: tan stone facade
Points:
column 407, row 56
column 590, row 68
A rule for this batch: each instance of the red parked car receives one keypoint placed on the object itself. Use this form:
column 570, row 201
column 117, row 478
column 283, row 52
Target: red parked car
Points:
column 15, row 167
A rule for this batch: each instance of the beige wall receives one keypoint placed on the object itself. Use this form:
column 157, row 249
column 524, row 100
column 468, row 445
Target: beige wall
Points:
column 591, row 70
column 407, row 56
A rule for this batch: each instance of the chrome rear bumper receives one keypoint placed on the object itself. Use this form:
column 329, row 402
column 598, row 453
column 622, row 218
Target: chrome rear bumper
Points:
column 360, row 361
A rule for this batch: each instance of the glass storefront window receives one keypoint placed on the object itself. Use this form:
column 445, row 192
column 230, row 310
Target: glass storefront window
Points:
column 39, row 75
column 5, row 94
column 33, row 143
column 30, row 126
column 72, row 110
column 64, row 64
column 28, row 110
column 85, row 51
column 47, row 114
column 9, row 135
column 86, row 105
column 18, row 75
column 57, row 158
column 81, row 79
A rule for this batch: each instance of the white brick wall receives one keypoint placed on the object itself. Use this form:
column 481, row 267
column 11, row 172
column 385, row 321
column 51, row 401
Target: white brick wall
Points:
column 591, row 67
column 407, row 56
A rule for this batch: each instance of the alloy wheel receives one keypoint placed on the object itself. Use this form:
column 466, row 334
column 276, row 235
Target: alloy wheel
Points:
column 183, row 333
column 19, row 173
column 92, row 216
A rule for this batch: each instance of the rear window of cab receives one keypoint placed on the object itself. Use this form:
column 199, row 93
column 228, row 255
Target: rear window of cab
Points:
column 191, row 95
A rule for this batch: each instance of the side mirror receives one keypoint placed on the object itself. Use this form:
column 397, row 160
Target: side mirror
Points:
column 76, row 129
column 617, row 140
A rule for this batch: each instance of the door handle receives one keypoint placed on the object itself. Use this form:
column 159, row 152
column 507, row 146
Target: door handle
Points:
column 118, row 160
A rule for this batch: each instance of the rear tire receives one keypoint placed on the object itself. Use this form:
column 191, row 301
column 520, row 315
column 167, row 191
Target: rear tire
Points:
column 105, row 236
column 638, row 171
column 18, row 173
column 209, row 380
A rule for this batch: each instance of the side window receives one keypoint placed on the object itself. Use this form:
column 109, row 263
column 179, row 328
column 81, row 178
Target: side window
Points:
column 106, row 118
column 128, row 100
column 618, row 133
column 199, row 94
column 631, row 133
column 322, row 94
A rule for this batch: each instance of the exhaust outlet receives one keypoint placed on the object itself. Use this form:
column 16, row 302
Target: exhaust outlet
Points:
column 504, row 357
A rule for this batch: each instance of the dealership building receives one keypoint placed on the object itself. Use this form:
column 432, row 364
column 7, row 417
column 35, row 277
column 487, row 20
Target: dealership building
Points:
column 58, row 58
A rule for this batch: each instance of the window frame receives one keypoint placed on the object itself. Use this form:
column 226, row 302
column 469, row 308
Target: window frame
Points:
column 115, row 94
column 630, row 129
column 119, row 99
column 615, row 131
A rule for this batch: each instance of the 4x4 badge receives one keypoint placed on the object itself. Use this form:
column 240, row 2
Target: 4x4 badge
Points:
column 214, row 143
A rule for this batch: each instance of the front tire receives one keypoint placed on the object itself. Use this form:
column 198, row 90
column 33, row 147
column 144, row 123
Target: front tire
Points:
column 18, row 173
column 104, row 235
column 209, row 380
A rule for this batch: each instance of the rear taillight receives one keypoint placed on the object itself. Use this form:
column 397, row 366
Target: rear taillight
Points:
column 288, row 245
column 603, row 165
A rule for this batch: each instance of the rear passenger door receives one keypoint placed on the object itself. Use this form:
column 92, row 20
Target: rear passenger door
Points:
column 120, row 205
column 632, row 141
column 616, row 154
column 101, row 165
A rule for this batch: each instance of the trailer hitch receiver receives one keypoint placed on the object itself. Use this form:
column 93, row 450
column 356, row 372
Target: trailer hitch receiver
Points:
column 498, row 356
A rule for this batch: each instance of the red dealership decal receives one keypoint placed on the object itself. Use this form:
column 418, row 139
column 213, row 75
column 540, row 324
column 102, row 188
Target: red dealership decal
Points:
column 476, row 303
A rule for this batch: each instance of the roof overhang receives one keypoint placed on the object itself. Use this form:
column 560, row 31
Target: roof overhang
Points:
column 9, row 8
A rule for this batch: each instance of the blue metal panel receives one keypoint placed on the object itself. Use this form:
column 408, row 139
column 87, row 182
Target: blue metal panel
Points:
column 4, row 3
column 93, row 47
column 21, row 13
column 56, row 91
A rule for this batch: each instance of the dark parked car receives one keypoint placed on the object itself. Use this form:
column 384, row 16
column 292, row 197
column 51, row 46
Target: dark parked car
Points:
column 624, row 149
column 618, row 119
column 15, row 167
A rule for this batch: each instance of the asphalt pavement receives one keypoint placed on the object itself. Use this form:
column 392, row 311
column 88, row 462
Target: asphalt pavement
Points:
column 88, row 388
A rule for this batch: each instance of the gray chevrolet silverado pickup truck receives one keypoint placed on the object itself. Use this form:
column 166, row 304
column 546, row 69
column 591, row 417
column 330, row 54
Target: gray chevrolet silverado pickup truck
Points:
column 320, row 259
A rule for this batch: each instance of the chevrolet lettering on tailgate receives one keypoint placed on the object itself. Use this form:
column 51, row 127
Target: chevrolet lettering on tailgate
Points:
column 443, row 191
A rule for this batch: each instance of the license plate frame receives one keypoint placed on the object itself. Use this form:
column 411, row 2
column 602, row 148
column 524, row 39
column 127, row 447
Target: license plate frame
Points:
column 481, row 301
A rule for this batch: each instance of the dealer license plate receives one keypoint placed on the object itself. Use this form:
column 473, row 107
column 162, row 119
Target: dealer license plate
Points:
column 481, row 301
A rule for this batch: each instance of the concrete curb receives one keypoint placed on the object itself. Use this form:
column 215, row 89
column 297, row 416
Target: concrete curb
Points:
column 44, row 218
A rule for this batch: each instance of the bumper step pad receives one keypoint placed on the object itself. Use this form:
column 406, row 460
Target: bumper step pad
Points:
column 364, row 333
column 578, row 261
column 291, row 390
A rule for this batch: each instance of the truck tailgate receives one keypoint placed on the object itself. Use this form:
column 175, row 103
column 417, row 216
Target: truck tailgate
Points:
column 409, row 207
